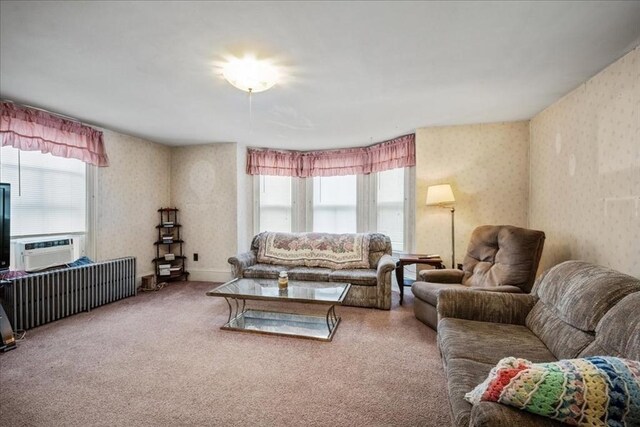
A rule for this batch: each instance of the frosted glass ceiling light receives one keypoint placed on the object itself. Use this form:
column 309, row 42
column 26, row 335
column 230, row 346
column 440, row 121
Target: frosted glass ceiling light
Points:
column 250, row 74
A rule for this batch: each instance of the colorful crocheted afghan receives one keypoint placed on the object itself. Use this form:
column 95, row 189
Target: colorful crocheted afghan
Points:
column 593, row 391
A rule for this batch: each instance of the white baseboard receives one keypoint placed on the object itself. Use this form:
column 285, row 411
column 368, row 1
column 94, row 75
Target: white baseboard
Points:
column 209, row 275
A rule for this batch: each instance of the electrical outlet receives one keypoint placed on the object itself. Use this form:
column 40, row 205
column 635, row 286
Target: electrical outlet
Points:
column 195, row 257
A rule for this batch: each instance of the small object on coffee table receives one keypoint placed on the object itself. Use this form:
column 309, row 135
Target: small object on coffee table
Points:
column 408, row 259
column 283, row 280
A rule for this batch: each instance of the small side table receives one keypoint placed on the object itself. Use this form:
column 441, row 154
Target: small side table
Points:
column 408, row 259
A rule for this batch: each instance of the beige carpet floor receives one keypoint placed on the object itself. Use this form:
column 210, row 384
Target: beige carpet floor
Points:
column 160, row 359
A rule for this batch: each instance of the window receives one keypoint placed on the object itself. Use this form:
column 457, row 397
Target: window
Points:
column 48, row 194
column 275, row 203
column 340, row 204
column 390, row 206
column 335, row 204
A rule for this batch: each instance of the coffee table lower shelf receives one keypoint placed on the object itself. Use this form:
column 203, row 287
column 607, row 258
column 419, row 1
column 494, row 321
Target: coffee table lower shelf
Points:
column 308, row 326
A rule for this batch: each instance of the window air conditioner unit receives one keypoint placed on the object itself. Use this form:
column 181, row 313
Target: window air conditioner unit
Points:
column 42, row 253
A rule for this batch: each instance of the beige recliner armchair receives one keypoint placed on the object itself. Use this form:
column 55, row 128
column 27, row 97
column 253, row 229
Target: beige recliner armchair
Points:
column 500, row 258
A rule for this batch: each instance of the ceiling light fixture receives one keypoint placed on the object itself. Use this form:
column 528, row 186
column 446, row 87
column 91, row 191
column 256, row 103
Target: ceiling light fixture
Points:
column 250, row 74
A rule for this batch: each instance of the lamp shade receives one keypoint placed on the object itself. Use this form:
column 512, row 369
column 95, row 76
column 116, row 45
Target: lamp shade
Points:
column 439, row 195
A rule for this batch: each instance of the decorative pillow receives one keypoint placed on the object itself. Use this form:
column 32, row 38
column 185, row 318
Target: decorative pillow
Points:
column 593, row 391
column 337, row 251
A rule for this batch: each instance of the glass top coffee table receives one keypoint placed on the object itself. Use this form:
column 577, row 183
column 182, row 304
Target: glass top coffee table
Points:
column 238, row 291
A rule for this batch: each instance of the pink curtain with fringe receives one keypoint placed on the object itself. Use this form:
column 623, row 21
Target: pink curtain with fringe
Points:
column 396, row 153
column 29, row 129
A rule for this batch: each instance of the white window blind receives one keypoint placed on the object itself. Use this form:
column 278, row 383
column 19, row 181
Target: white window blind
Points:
column 334, row 204
column 275, row 203
column 49, row 197
column 390, row 206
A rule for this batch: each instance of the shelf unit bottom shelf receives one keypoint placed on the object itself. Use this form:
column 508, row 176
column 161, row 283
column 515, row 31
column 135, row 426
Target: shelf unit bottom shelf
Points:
column 173, row 277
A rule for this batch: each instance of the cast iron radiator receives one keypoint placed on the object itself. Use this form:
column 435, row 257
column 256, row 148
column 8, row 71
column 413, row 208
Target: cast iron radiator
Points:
column 41, row 298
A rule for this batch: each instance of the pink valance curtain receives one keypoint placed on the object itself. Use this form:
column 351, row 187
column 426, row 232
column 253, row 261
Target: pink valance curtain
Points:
column 29, row 129
column 396, row 153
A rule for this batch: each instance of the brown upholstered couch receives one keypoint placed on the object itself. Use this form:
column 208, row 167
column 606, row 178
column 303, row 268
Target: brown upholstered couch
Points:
column 370, row 284
column 576, row 309
column 500, row 258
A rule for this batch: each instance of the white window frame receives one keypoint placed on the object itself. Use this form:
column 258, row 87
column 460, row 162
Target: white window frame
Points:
column 370, row 198
column 91, row 241
column 366, row 205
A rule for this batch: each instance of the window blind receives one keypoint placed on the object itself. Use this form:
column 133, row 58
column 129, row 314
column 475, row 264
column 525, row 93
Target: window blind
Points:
column 275, row 203
column 335, row 204
column 49, row 196
column 390, row 206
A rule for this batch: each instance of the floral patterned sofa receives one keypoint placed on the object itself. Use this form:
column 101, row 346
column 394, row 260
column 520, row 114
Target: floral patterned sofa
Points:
column 362, row 259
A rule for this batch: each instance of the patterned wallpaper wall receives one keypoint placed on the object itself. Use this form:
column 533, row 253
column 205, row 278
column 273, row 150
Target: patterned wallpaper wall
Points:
column 130, row 190
column 245, row 200
column 204, row 188
column 585, row 171
column 487, row 166
column 578, row 180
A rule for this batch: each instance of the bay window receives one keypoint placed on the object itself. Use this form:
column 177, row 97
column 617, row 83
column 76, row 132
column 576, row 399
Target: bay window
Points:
column 375, row 197
column 338, row 204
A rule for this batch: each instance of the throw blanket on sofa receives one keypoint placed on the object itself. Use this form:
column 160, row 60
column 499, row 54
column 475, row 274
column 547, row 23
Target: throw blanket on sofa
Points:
column 337, row 251
column 593, row 391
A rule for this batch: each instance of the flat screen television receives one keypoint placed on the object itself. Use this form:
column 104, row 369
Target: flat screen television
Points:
column 5, row 226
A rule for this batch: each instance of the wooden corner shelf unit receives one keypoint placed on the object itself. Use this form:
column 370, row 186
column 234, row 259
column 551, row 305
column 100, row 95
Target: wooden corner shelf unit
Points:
column 170, row 261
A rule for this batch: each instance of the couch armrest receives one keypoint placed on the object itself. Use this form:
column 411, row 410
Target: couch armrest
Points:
column 449, row 275
column 240, row 262
column 492, row 414
column 496, row 307
column 386, row 265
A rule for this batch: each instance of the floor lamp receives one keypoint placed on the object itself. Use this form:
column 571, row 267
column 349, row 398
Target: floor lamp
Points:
column 442, row 196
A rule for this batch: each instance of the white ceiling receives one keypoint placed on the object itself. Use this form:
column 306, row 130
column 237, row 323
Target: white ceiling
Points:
column 358, row 72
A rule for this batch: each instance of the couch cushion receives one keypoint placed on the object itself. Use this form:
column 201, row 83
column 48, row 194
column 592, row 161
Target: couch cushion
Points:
column 360, row 276
column 379, row 245
column 618, row 333
column 428, row 292
column 263, row 271
column 503, row 255
column 573, row 297
column 581, row 293
column 336, row 251
column 491, row 414
column 462, row 376
column 255, row 242
column 564, row 341
column 488, row 342
column 309, row 273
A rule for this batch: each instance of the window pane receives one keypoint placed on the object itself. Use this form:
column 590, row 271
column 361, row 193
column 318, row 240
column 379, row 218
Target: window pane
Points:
column 334, row 204
column 53, row 192
column 275, row 203
column 391, row 206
